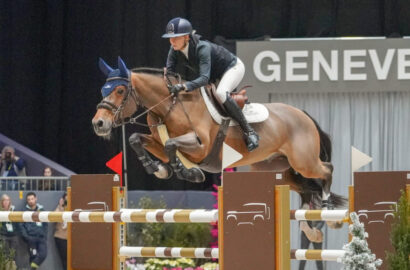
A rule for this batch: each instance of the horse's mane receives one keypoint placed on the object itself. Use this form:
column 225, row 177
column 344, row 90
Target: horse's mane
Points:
column 155, row 71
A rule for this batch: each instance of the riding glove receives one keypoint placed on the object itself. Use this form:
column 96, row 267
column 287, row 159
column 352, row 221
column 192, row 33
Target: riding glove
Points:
column 175, row 89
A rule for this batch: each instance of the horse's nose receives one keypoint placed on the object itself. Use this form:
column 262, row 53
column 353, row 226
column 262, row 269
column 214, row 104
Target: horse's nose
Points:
column 100, row 123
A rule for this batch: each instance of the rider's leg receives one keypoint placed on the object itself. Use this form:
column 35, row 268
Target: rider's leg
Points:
column 236, row 113
column 229, row 81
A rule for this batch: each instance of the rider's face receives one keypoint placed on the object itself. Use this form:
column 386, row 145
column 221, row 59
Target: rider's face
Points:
column 178, row 43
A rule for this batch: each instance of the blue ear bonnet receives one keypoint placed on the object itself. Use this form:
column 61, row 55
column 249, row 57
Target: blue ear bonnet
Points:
column 110, row 85
column 115, row 77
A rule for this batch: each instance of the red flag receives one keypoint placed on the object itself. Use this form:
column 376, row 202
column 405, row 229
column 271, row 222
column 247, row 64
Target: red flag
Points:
column 115, row 164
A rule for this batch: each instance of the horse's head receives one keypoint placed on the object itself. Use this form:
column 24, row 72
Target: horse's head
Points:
column 119, row 100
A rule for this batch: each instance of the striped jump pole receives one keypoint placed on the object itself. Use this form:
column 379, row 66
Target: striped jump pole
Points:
column 316, row 254
column 168, row 252
column 124, row 215
column 325, row 215
column 153, row 216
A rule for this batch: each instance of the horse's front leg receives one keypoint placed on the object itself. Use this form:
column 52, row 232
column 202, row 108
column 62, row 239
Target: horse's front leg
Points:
column 140, row 141
column 187, row 143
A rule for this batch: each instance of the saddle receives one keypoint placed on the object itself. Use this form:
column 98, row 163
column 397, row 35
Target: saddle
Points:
column 240, row 98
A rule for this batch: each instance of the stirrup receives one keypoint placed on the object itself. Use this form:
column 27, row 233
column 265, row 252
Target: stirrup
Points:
column 252, row 140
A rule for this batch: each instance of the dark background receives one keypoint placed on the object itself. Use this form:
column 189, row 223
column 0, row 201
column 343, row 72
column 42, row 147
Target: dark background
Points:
column 50, row 82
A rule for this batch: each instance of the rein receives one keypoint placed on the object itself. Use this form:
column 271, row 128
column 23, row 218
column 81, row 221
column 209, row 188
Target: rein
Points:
column 133, row 120
column 117, row 111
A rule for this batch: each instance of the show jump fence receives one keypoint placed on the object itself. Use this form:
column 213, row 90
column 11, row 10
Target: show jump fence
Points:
column 254, row 222
column 281, row 213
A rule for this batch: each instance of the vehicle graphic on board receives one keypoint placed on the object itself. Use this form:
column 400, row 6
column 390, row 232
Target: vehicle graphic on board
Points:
column 373, row 216
column 250, row 213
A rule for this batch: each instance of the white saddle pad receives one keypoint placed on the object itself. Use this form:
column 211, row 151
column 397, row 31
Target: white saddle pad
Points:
column 254, row 112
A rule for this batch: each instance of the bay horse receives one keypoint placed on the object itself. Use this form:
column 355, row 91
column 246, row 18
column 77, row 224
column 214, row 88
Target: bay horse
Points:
column 288, row 133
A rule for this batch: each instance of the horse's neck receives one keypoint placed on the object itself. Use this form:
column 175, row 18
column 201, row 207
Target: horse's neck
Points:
column 151, row 90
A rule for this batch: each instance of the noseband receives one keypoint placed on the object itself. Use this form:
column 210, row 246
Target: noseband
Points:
column 117, row 111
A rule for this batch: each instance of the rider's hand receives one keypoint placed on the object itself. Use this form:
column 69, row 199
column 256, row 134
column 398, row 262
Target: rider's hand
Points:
column 175, row 89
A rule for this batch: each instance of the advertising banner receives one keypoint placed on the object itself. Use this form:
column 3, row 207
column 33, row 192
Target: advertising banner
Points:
column 325, row 65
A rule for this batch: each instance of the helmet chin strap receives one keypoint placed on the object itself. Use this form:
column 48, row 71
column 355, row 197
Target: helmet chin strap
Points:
column 185, row 44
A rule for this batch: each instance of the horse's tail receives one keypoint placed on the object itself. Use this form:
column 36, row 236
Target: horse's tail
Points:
column 325, row 142
column 313, row 187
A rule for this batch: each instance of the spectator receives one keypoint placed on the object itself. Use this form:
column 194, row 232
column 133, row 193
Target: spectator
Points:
column 316, row 236
column 60, row 235
column 11, row 165
column 10, row 233
column 47, row 184
column 35, row 233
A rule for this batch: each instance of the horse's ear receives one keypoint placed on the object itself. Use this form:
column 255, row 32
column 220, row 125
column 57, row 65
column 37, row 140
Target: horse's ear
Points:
column 104, row 67
column 124, row 71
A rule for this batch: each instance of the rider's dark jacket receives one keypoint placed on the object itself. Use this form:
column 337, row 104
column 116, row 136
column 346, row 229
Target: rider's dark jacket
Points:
column 206, row 62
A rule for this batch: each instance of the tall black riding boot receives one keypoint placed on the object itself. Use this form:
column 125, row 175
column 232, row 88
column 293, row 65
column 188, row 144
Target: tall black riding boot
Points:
column 251, row 137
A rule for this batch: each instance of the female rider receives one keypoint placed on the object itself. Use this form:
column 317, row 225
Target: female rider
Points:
column 207, row 62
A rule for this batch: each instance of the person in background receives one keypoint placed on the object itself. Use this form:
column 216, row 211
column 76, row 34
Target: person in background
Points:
column 11, row 165
column 47, row 184
column 315, row 230
column 60, row 235
column 10, row 232
column 35, row 233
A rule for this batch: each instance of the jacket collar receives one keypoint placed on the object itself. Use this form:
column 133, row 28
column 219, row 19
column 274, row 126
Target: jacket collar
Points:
column 186, row 50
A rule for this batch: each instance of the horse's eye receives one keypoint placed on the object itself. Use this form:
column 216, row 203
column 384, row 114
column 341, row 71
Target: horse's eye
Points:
column 120, row 91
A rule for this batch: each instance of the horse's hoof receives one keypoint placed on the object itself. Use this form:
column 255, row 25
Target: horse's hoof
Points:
column 150, row 166
column 198, row 175
column 164, row 172
column 193, row 175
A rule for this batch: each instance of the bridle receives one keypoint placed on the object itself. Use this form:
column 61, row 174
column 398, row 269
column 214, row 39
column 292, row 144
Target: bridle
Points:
column 130, row 92
column 118, row 110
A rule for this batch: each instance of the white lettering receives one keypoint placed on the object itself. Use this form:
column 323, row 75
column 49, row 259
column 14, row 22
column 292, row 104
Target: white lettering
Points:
column 291, row 66
column 257, row 62
column 382, row 70
column 320, row 61
column 402, row 64
column 349, row 64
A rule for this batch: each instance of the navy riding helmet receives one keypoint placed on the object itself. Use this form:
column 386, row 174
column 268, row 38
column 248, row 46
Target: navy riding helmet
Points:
column 177, row 27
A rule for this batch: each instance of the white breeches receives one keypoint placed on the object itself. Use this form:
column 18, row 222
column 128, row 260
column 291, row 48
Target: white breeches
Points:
column 230, row 80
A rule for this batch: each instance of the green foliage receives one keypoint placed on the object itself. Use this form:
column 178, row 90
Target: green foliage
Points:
column 189, row 235
column 147, row 234
column 166, row 234
column 6, row 255
column 400, row 236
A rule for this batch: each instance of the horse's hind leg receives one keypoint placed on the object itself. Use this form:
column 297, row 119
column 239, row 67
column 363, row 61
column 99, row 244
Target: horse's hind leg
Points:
column 323, row 171
column 326, row 203
column 140, row 141
column 303, row 156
